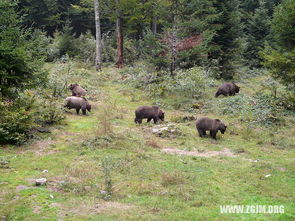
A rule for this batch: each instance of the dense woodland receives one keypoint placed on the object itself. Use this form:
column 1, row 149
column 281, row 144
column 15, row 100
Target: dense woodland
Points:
column 169, row 53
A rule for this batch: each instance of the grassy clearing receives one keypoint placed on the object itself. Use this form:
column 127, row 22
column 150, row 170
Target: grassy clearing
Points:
column 147, row 183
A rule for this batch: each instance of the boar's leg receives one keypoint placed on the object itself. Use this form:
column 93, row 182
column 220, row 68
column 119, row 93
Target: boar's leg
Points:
column 138, row 120
column 84, row 106
column 155, row 119
column 213, row 134
column 149, row 119
column 78, row 110
column 201, row 132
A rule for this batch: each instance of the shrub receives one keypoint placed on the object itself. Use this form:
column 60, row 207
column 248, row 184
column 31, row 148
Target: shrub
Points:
column 109, row 52
column 19, row 117
column 190, row 83
column 266, row 109
column 16, row 119
column 85, row 47
column 238, row 105
column 49, row 111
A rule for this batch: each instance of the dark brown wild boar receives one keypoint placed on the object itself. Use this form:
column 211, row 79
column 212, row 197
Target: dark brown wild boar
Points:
column 149, row 113
column 77, row 103
column 213, row 125
column 77, row 90
column 227, row 89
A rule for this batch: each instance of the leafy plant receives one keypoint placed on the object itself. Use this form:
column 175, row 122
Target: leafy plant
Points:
column 107, row 166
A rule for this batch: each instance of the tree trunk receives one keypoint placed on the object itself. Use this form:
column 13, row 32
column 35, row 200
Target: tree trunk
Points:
column 98, row 36
column 174, row 38
column 154, row 25
column 119, row 32
column 174, row 52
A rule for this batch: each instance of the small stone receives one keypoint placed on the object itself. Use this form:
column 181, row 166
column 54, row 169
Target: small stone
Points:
column 45, row 171
column 21, row 187
column 103, row 192
column 87, row 188
column 43, row 130
column 268, row 175
column 52, row 197
column 41, row 182
column 3, row 183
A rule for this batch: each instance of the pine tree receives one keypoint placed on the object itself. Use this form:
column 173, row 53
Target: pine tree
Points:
column 280, row 59
column 22, row 54
column 257, row 31
column 226, row 38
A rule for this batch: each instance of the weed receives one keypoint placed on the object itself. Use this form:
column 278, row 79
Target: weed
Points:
column 107, row 166
column 4, row 163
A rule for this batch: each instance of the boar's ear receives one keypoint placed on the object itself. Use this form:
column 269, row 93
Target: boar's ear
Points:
column 217, row 120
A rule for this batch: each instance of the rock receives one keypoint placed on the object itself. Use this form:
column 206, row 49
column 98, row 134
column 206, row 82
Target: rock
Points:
column 3, row 183
column 41, row 181
column 103, row 192
column 268, row 175
column 43, row 130
column 87, row 188
column 169, row 130
column 21, row 187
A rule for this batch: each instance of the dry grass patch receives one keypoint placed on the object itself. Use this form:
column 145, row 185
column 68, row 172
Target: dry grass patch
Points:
column 171, row 179
column 153, row 143
column 91, row 207
column 224, row 152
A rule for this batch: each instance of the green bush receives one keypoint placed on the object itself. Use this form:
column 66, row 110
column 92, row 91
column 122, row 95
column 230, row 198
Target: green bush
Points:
column 238, row 105
column 85, row 48
column 20, row 117
column 266, row 109
column 191, row 83
column 109, row 52
column 49, row 111
column 17, row 118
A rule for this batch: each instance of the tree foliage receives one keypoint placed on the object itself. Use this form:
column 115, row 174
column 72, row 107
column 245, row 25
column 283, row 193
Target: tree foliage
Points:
column 22, row 53
column 280, row 59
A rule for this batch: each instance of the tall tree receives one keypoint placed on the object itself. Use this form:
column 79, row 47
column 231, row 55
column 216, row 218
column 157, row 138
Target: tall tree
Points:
column 257, row 29
column 226, row 38
column 98, row 36
column 119, row 34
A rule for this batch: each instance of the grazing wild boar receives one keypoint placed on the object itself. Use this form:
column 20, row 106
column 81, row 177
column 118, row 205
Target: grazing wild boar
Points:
column 227, row 89
column 149, row 112
column 77, row 90
column 213, row 125
column 77, row 103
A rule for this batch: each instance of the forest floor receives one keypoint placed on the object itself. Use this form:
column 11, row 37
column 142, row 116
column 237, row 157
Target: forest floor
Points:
column 173, row 176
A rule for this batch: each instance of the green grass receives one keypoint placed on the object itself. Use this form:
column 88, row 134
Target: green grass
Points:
column 147, row 183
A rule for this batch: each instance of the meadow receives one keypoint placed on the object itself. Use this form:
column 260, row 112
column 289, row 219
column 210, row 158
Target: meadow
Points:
column 105, row 167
